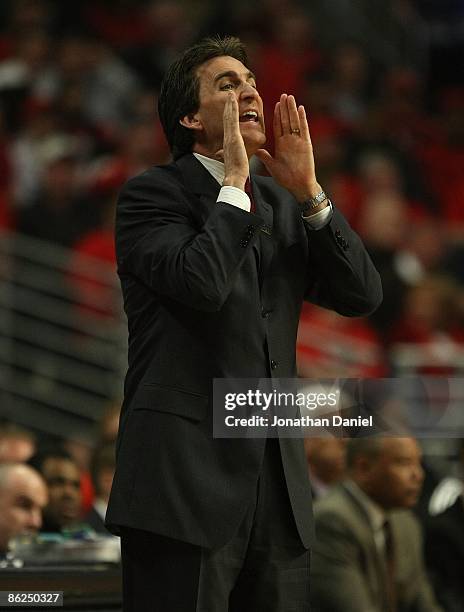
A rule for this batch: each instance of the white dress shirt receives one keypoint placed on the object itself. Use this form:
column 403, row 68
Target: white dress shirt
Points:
column 237, row 197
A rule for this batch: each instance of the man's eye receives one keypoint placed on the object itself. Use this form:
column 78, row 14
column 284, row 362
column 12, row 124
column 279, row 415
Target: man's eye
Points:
column 227, row 86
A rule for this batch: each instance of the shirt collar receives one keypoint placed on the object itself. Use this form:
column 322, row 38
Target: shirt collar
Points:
column 214, row 167
column 100, row 506
column 374, row 512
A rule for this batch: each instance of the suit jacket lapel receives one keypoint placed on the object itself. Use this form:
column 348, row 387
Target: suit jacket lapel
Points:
column 199, row 181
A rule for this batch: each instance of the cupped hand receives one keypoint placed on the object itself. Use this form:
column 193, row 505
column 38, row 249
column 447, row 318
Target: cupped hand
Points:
column 293, row 163
column 236, row 165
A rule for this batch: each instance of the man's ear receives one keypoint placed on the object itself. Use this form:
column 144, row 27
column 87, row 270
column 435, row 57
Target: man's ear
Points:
column 191, row 122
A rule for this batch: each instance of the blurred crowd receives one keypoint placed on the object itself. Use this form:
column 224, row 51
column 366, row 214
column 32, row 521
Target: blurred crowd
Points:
column 387, row 527
column 385, row 98
column 55, row 486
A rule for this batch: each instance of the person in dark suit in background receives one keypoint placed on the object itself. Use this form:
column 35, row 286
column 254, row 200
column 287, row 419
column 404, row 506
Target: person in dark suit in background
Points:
column 214, row 266
column 444, row 540
column 102, row 471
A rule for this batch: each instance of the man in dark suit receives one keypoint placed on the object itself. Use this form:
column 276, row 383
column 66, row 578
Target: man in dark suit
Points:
column 444, row 540
column 214, row 273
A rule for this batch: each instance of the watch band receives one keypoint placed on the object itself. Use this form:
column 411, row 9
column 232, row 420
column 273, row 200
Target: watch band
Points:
column 313, row 202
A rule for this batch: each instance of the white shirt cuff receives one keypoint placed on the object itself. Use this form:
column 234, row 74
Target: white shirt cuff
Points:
column 235, row 197
column 321, row 218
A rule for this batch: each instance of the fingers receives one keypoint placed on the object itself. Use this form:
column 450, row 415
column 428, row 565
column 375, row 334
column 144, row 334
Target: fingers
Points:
column 233, row 151
column 293, row 114
column 290, row 119
column 287, row 117
column 277, row 124
column 284, row 114
column 230, row 112
column 304, row 129
column 265, row 157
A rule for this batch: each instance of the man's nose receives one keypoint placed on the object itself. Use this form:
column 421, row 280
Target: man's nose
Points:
column 418, row 473
column 35, row 519
column 248, row 91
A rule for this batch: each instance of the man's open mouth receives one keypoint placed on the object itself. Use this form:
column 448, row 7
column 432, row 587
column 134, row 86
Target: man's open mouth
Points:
column 249, row 116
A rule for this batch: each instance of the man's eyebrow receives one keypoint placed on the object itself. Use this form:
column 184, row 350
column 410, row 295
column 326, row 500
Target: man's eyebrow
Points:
column 233, row 74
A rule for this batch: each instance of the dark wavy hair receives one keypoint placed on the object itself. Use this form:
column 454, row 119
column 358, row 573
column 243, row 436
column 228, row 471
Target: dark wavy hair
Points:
column 179, row 93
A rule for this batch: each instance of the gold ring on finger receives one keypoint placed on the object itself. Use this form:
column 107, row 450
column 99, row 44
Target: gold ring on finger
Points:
column 295, row 131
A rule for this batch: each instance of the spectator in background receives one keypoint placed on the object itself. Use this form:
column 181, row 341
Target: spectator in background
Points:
column 368, row 553
column 445, row 540
column 23, row 495
column 109, row 423
column 102, row 469
column 24, row 74
column 376, row 24
column 428, row 336
column 59, row 213
column 442, row 160
column 60, row 472
column 326, row 459
column 330, row 345
column 81, row 452
column 17, row 445
column 168, row 29
column 93, row 265
column 350, row 84
column 38, row 126
column 383, row 223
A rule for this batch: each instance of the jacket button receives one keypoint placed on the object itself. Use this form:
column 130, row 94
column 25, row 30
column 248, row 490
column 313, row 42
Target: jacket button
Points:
column 265, row 313
column 338, row 233
column 274, row 364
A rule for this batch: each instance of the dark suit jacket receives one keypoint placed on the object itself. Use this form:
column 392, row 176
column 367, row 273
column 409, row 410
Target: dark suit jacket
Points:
column 348, row 574
column 444, row 546
column 212, row 291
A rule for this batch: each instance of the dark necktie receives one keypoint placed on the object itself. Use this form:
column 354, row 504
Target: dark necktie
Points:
column 250, row 194
column 390, row 563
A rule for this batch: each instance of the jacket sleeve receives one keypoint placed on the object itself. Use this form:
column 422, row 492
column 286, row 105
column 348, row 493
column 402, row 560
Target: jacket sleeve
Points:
column 158, row 242
column 342, row 276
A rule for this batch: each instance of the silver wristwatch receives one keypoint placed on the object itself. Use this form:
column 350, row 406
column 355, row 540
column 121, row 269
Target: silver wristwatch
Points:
column 312, row 203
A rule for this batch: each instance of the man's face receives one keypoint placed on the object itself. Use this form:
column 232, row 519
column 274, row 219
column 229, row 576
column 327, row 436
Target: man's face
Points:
column 218, row 77
column 22, row 500
column 326, row 458
column 395, row 477
column 63, row 480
